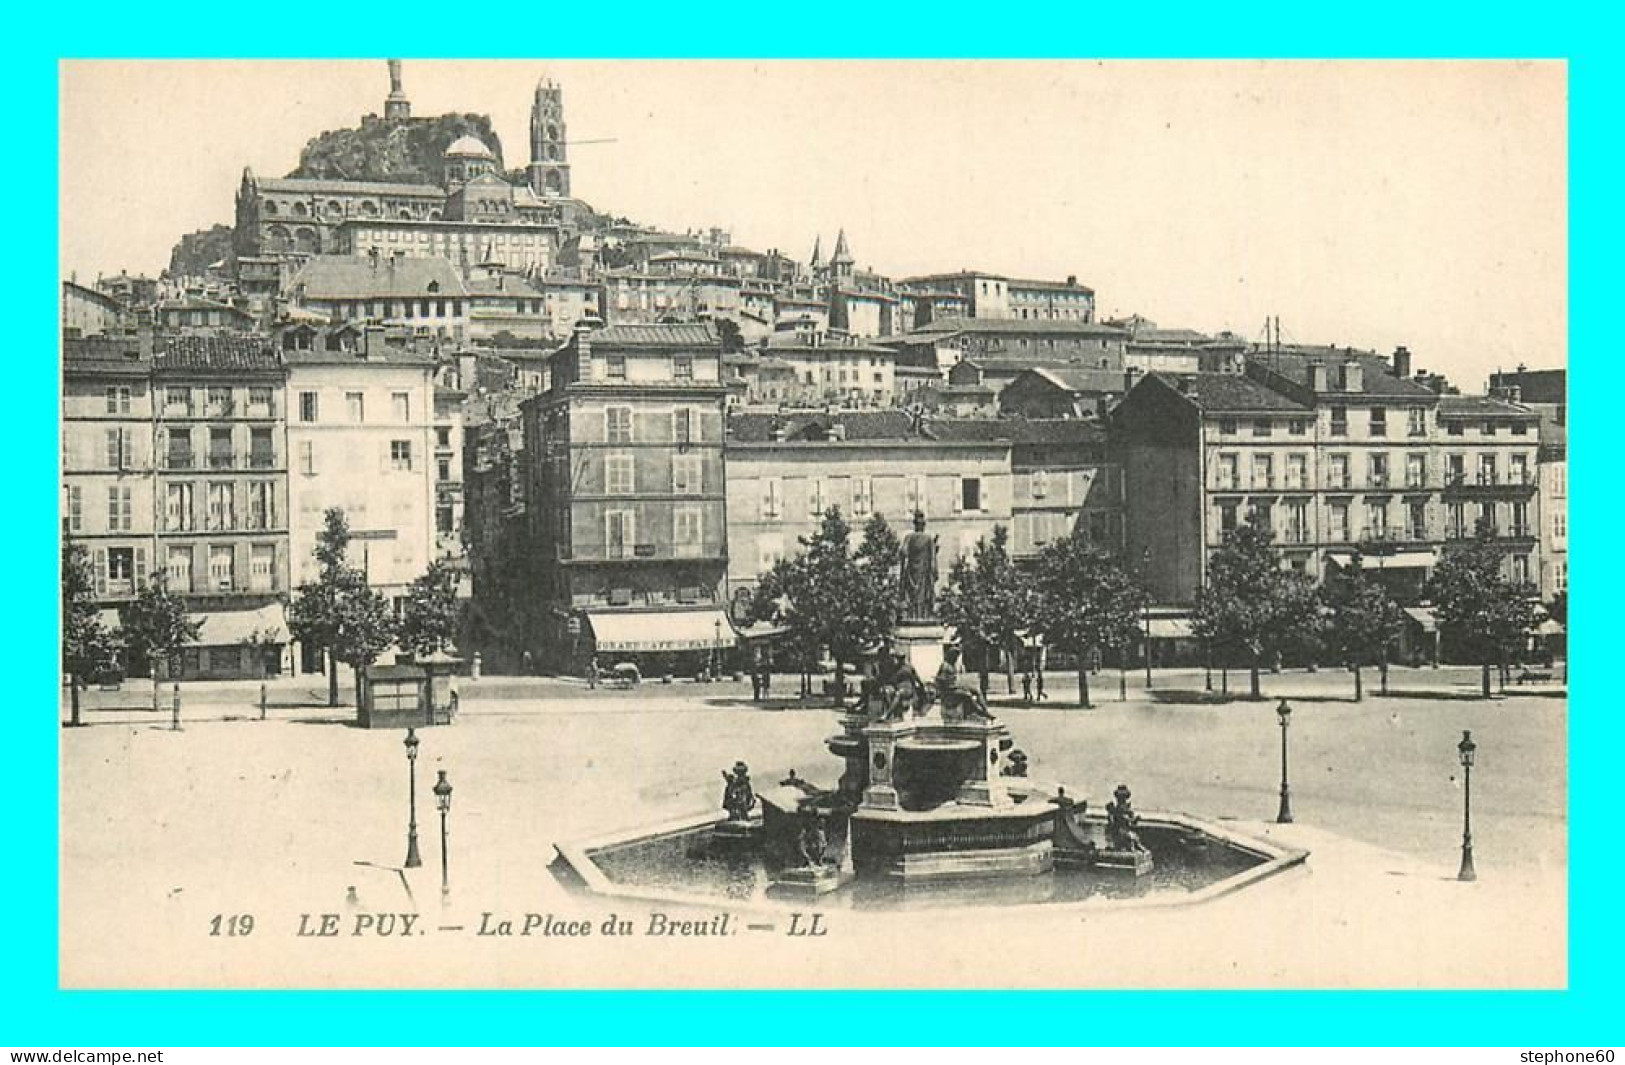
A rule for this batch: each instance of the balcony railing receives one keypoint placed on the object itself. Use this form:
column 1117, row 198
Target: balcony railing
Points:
column 180, row 460
column 221, row 460
column 262, row 460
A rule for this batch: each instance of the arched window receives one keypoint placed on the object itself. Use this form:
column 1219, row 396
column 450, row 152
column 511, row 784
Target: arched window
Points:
column 304, row 240
column 276, row 238
column 555, row 185
column 406, row 215
column 369, row 208
column 299, row 209
column 552, row 132
column 434, row 216
column 268, row 206
column 334, row 207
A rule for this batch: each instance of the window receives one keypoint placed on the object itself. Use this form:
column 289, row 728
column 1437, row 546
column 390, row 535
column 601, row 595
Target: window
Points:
column 307, row 457
column 1376, row 526
column 259, row 402
column 178, row 512
column 916, row 494
column 1337, row 471
column 1455, row 429
column 1261, row 515
column 1229, row 466
column 1379, row 421
column 219, row 403
column 1455, row 469
column 1297, row 522
column 442, row 469
column 684, row 425
column 222, row 506
column 1486, row 468
column 618, row 476
column 222, row 567
column 1416, row 470
column 261, row 453
column 1489, row 428
column 118, row 449
column 618, row 425
column 355, row 407
column 1340, row 421
column 1227, row 517
column 1298, row 426
column 618, row 533
column 1376, row 466
column 685, row 475
column 615, row 367
column 178, row 449
column 442, row 436
column 121, row 576
column 308, row 406
column 1261, row 427
column 1560, row 523
column 1263, row 471
column 685, row 531
column 1417, row 522
column 1337, row 522
column 1520, row 569
column 1520, row 428
column 769, row 550
column 772, row 498
column 816, row 504
column 119, row 511
column 1227, row 427
column 262, row 568
column 400, row 455
column 76, row 508
column 220, row 452
column 863, row 495
column 262, row 505
column 1518, row 469
column 1486, row 518
column 1038, row 484
column 1297, row 471
column 1520, row 519
column 178, row 568
column 1455, row 526
column 1417, row 421
column 400, row 404
column 682, row 367
column 970, row 493
column 178, row 402
column 118, row 399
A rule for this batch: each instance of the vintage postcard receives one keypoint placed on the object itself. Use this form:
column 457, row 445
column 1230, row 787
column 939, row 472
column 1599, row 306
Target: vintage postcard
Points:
column 565, row 524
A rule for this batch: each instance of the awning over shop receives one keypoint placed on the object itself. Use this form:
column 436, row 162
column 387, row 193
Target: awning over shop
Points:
column 661, row 630
column 1423, row 617
column 1548, row 627
column 110, row 619
column 1170, row 628
column 1397, row 560
column 222, row 628
column 761, row 630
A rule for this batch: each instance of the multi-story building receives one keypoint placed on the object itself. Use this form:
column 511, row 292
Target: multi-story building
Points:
column 1335, row 460
column 1089, row 344
column 221, row 505
column 107, row 459
column 834, row 368
column 626, row 503
column 987, row 295
column 1554, row 508
column 425, row 294
column 361, row 438
column 519, row 246
column 448, row 472
column 87, row 312
column 785, row 472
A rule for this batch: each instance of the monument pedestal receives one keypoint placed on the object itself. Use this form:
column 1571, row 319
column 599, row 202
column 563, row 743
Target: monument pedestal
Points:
column 807, row 882
column 921, row 643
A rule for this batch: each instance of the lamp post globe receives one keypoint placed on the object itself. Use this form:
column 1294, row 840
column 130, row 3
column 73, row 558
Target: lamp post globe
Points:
column 442, row 799
column 1283, row 713
column 413, row 860
column 1467, row 750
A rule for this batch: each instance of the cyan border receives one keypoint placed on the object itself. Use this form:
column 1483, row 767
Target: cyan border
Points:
column 36, row 1013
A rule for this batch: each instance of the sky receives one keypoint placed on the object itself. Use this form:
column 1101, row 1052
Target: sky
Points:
column 1363, row 203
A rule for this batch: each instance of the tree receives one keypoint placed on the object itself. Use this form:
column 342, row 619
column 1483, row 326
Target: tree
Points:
column 156, row 627
column 337, row 613
column 989, row 602
column 89, row 648
column 1248, row 604
column 429, row 618
column 1364, row 620
column 1484, row 613
column 1087, row 601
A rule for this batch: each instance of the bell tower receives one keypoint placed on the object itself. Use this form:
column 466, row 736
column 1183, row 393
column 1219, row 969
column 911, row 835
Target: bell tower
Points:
column 549, row 170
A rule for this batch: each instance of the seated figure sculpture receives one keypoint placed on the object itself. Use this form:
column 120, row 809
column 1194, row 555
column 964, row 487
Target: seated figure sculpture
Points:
column 898, row 689
column 1122, row 823
column 958, row 700
column 738, row 797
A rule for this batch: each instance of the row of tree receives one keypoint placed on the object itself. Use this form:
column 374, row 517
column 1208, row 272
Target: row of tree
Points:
column 338, row 613
column 1082, row 600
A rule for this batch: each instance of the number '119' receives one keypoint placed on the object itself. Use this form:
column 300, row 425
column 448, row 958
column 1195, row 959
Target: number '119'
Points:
column 234, row 924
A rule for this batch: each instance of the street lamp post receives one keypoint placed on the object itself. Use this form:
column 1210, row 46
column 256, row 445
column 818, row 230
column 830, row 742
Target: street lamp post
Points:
column 1466, row 749
column 1145, row 565
column 442, row 799
column 716, row 652
column 413, row 860
column 1284, row 816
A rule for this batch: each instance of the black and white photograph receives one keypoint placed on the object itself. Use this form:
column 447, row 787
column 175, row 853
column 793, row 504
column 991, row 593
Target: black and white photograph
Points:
column 792, row 524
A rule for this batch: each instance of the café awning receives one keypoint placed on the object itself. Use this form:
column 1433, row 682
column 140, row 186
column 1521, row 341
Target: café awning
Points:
column 1170, row 628
column 1397, row 560
column 1423, row 617
column 661, row 630
column 222, row 628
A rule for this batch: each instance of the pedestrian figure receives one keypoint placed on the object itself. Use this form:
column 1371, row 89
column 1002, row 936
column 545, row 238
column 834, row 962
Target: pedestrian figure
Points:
column 1027, row 686
column 524, row 663
column 756, row 679
column 1038, row 676
column 592, row 672
column 767, row 678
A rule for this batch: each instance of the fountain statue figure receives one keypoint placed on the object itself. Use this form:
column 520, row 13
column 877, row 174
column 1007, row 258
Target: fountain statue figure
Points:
column 1122, row 823
column 738, row 797
column 917, row 581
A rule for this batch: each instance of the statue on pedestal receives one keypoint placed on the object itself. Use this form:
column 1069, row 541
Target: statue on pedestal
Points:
column 898, row 689
column 958, row 700
column 813, row 842
column 1122, row 823
column 917, row 581
column 738, row 797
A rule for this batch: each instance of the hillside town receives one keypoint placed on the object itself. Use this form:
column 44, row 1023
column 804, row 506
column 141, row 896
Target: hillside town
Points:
column 605, row 437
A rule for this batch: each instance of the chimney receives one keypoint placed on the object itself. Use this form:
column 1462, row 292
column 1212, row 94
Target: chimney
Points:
column 1187, row 385
column 1402, row 362
column 372, row 342
column 144, row 334
column 1317, row 377
column 1131, row 377
column 1071, row 280
column 1514, row 393
column 1353, row 376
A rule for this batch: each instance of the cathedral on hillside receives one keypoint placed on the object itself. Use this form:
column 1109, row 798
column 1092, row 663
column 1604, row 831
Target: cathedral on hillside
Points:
column 283, row 219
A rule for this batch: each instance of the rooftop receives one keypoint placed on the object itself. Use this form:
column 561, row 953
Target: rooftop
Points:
column 674, row 335
column 1025, row 326
column 1083, row 378
column 1224, row 393
column 219, row 353
column 1379, row 380
column 757, row 428
column 316, row 186
column 361, row 277
column 1483, row 407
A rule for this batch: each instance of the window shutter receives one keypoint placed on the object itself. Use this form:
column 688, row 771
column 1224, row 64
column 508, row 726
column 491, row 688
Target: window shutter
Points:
column 959, row 499
column 140, row 567
column 101, row 571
